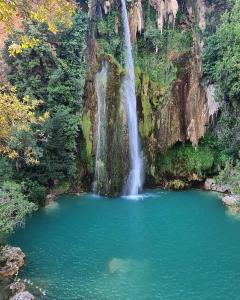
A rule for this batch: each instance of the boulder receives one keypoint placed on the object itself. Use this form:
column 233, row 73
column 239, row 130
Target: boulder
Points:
column 17, row 287
column 211, row 185
column 19, row 292
column 22, row 296
column 231, row 200
column 12, row 260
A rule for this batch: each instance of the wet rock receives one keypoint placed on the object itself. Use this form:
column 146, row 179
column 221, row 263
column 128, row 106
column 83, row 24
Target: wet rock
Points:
column 17, row 287
column 50, row 198
column 12, row 260
column 231, row 200
column 117, row 265
column 19, row 292
column 23, row 296
column 211, row 185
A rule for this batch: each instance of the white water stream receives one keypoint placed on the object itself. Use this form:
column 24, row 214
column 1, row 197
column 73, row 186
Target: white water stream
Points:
column 134, row 181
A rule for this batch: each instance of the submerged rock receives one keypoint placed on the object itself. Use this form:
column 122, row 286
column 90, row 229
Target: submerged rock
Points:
column 12, row 260
column 118, row 265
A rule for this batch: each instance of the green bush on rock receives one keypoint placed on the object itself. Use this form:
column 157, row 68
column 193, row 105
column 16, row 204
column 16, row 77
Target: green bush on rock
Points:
column 14, row 206
column 230, row 176
column 183, row 161
column 222, row 55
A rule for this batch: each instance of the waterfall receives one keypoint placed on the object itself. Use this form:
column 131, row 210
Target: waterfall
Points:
column 100, row 84
column 134, row 181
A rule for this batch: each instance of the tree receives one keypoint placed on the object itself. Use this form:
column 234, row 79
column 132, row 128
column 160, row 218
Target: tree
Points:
column 51, row 12
column 16, row 118
column 53, row 71
column 222, row 55
column 13, row 207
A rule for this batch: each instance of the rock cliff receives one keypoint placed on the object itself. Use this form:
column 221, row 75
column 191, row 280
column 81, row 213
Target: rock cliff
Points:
column 174, row 104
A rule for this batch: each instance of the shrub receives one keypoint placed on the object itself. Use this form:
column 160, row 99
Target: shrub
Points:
column 14, row 207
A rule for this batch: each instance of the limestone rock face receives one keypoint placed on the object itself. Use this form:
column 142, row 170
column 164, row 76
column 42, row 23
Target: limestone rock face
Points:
column 185, row 115
column 14, row 260
column 115, row 164
column 166, row 11
column 181, row 111
column 136, row 19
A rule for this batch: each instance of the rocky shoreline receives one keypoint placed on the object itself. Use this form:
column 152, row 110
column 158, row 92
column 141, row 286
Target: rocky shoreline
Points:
column 228, row 198
column 11, row 260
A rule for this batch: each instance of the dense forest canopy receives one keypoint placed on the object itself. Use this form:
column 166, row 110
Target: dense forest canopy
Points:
column 40, row 99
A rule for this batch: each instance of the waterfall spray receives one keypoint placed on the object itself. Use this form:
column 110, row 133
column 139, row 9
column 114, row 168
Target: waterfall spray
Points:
column 134, row 181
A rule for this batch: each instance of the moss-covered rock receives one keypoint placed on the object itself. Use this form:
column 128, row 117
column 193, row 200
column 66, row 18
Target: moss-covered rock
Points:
column 176, row 184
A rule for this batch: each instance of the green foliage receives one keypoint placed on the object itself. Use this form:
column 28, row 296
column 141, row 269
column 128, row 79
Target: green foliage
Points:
column 13, row 207
column 34, row 192
column 157, row 67
column 6, row 169
column 86, row 126
column 184, row 160
column 213, row 16
column 222, row 55
column 30, row 70
column 61, row 187
column 109, row 41
column 230, row 176
column 53, row 72
column 154, row 49
column 228, row 131
column 176, row 184
column 59, row 152
column 221, row 59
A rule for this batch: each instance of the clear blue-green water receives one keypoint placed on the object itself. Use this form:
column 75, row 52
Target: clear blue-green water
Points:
column 168, row 245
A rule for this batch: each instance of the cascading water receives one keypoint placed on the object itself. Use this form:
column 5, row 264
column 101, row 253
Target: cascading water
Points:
column 134, row 181
column 101, row 147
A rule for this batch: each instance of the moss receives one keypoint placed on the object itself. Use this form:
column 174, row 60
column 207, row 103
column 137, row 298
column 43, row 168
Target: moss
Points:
column 152, row 170
column 137, row 80
column 154, row 52
column 176, row 184
column 110, row 42
column 146, row 108
column 86, row 128
column 61, row 187
column 182, row 160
